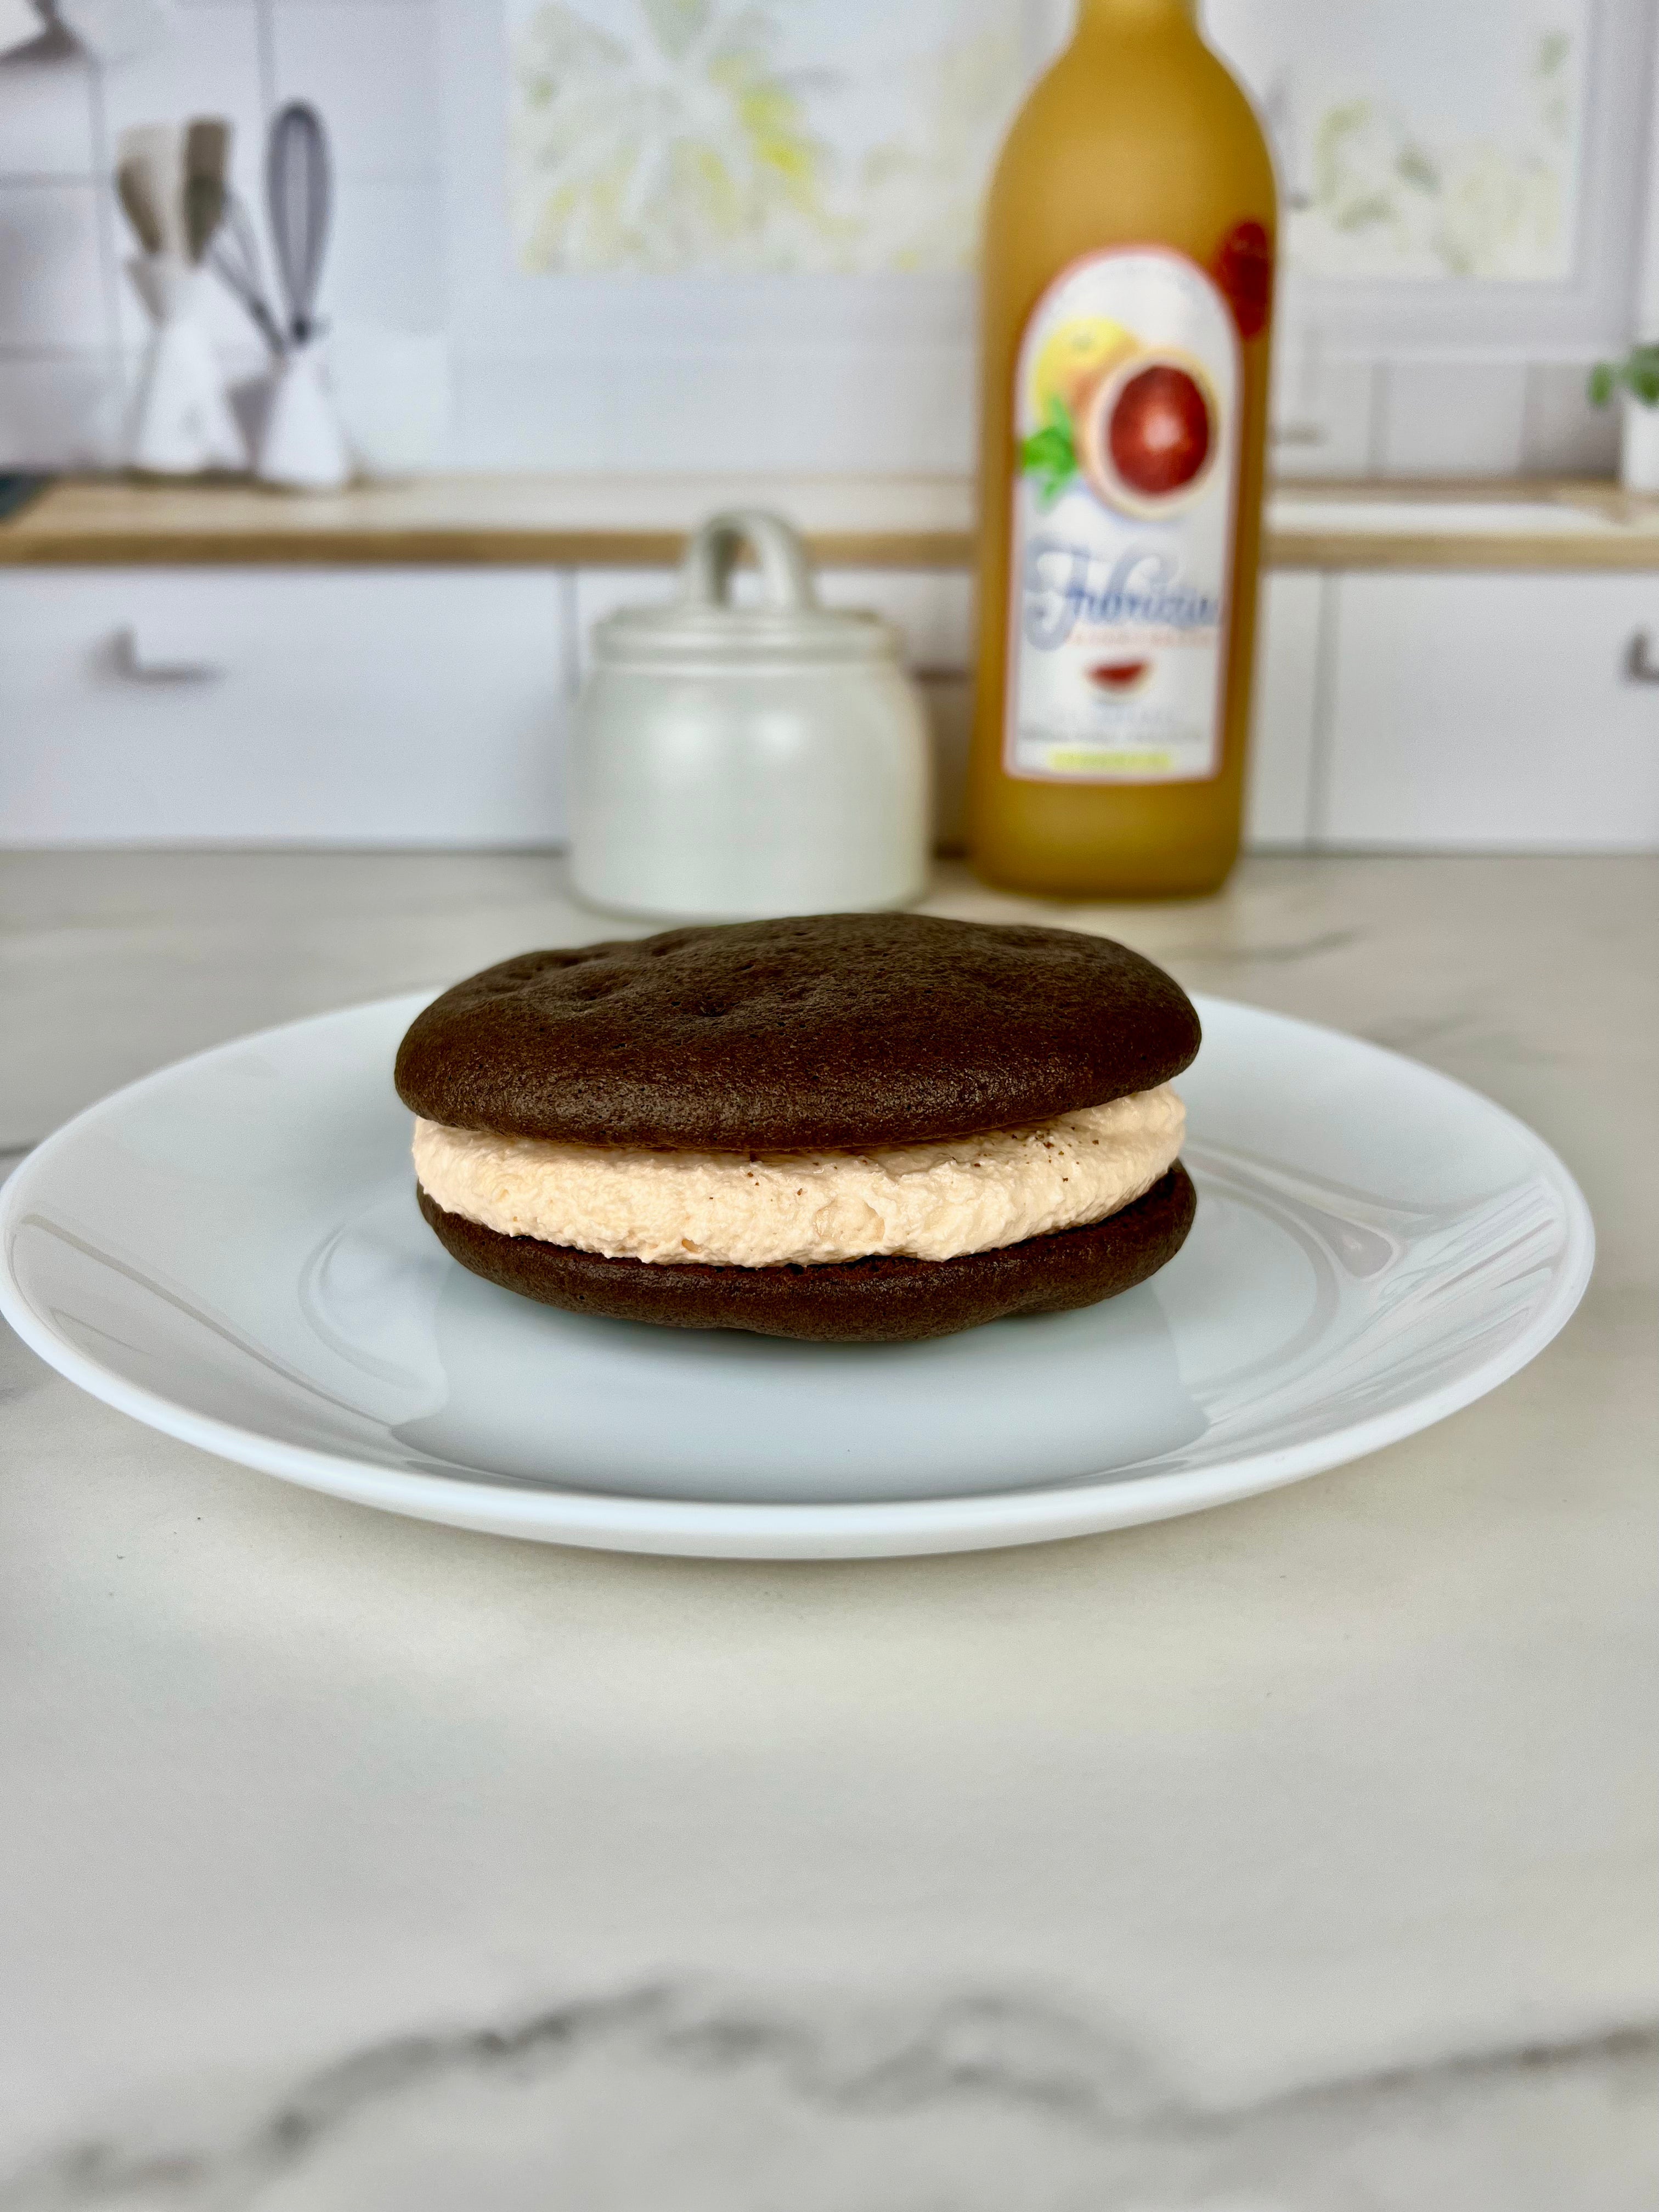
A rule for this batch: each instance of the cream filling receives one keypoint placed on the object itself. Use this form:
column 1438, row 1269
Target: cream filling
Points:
column 931, row 1202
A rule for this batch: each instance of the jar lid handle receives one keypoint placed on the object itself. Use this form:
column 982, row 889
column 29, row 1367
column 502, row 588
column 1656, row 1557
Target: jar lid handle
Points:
column 711, row 555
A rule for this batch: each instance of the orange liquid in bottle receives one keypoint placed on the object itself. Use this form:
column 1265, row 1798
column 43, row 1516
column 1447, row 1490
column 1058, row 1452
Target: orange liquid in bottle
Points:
column 1128, row 281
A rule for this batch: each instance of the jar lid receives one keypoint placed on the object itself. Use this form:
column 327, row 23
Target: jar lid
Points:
column 790, row 627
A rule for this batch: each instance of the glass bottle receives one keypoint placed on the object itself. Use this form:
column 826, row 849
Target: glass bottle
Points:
column 1127, row 290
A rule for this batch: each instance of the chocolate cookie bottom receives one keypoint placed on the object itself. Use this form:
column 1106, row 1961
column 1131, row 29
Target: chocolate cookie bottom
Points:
column 877, row 1301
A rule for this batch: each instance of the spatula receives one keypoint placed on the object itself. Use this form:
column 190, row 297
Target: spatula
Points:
column 207, row 159
column 149, row 160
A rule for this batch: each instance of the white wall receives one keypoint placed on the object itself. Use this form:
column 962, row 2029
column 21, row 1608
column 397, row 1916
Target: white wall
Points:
column 405, row 83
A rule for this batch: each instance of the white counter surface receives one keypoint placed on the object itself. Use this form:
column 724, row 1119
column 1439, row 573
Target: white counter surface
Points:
column 1295, row 1858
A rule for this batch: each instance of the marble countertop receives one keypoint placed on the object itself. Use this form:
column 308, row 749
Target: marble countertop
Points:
column 1294, row 1857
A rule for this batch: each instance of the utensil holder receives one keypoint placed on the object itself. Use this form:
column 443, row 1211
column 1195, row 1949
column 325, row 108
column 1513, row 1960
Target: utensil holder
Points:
column 181, row 422
column 304, row 447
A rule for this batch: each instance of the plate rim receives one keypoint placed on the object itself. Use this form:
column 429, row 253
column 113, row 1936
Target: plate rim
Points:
column 724, row 1529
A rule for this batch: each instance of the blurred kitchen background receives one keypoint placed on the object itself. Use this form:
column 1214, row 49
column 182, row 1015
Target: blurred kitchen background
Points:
column 1466, row 189
column 684, row 242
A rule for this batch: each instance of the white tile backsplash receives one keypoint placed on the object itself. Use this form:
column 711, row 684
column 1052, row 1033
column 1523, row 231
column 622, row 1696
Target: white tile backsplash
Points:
column 1564, row 435
column 393, row 389
column 1323, row 411
column 59, row 409
column 370, row 67
column 51, row 277
column 46, row 124
column 1453, row 418
column 890, row 411
column 384, row 263
column 68, row 316
column 211, row 68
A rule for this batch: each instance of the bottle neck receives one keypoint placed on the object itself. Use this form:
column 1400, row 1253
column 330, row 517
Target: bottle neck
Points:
column 1116, row 18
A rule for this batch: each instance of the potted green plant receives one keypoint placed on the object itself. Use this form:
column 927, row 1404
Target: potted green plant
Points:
column 1635, row 380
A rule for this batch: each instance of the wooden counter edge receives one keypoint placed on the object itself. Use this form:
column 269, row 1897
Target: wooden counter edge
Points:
column 448, row 522
column 444, row 546
column 462, row 548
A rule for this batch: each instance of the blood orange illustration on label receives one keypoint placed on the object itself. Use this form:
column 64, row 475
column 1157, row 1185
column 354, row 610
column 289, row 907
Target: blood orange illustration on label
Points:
column 1161, row 430
column 1126, row 403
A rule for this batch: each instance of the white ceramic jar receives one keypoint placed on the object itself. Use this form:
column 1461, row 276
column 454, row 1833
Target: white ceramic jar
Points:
column 730, row 761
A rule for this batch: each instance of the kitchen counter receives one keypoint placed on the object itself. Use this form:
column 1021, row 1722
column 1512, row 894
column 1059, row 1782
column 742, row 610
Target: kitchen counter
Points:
column 1292, row 1856
column 896, row 522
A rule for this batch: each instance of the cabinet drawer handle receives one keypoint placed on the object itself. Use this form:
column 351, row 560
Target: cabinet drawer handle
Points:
column 134, row 664
column 1640, row 666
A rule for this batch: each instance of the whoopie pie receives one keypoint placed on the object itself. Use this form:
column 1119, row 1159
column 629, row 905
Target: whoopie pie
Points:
column 847, row 1128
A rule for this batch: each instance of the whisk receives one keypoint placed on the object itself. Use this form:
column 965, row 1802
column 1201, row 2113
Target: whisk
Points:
column 303, row 445
column 235, row 256
column 297, row 198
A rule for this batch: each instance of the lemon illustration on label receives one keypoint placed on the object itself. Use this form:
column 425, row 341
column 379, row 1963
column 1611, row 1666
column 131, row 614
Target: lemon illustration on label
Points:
column 1072, row 359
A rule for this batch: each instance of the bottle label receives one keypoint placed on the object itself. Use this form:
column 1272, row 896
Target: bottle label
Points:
column 1126, row 404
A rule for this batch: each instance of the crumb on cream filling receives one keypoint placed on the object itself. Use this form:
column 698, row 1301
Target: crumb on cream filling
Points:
column 932, row 1201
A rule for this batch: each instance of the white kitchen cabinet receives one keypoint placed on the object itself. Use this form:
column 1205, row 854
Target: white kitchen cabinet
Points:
column 408, row 706
column 1284, row 719
column 1508, row 713
column 430, row 706
column 600, row 591
column 932, row 610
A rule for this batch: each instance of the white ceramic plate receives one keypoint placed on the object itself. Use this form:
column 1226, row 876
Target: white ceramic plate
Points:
column 230, row 1251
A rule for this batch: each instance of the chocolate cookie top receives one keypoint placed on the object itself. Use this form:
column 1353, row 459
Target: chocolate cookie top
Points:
column 817, row 1032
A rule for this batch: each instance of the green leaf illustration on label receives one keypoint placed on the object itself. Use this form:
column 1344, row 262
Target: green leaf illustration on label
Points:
column 1050, row 454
